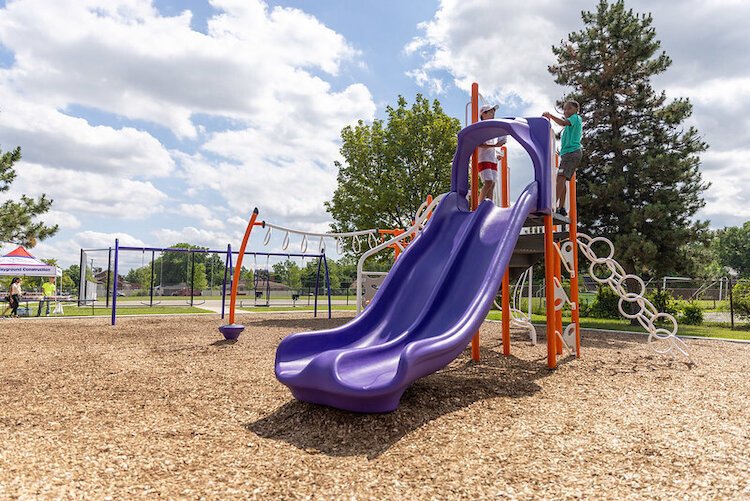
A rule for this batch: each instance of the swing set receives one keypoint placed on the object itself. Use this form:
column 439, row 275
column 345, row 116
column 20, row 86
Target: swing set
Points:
column 115, row 255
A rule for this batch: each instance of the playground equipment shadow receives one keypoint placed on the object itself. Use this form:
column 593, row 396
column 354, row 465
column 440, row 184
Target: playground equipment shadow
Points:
column 341, row 433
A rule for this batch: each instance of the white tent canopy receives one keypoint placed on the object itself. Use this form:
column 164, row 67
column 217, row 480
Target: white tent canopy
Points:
column 22, row 264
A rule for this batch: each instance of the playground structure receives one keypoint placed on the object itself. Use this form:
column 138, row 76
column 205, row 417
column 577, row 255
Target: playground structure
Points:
column 432, row 302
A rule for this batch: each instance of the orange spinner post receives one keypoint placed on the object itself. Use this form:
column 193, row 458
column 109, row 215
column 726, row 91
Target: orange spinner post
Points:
column 238, row 267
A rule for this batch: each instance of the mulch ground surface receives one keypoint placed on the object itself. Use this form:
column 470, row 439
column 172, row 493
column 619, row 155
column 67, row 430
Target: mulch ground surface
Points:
column 166, row 408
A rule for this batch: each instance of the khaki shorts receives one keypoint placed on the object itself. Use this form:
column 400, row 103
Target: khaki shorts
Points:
column 569, row 162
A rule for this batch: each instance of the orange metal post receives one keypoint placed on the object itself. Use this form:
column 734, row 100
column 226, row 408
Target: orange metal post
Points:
column 238, row 267
column 558, row 313
column 573, row 235
column 505, row 189
column 549, row 272
column 475, row 190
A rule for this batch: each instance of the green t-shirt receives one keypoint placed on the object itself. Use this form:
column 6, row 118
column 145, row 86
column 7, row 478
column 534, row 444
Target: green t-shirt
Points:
column 571, row 136
column 48, row 289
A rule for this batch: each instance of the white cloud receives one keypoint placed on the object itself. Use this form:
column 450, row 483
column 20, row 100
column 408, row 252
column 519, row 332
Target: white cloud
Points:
column 86, row 193
column 253, row 90
column 49, row 137
column 215, row 240
column 508, row 54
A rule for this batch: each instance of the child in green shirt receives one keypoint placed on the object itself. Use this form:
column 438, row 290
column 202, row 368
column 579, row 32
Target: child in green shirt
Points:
column 570, row 149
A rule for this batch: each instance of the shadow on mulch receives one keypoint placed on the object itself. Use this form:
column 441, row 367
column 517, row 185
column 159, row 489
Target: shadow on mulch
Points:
column 299, row 324
column 337, row 433
column 224, row 342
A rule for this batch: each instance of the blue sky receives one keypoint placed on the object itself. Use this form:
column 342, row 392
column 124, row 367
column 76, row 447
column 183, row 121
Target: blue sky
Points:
column 167, row 121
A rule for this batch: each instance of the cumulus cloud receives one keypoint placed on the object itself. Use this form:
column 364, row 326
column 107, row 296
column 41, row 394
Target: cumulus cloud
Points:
column 508, row 55
column 254, row 115
column 81, row 193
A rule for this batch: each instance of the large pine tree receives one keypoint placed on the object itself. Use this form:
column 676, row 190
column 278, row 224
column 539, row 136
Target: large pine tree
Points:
column 639, row 182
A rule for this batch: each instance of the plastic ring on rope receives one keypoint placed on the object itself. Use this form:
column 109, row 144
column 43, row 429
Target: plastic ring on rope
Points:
column 339, row 246
column 601, row 260
column 267, row 238
column 371, row 240
column 621, row 281
column 665, row 316
column 356, row 244
column 285, row 243
column 303, row 244
column 321, row 246
column 593, row 274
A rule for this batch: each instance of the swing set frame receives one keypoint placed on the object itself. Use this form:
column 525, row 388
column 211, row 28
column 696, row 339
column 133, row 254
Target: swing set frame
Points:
column 229, row 255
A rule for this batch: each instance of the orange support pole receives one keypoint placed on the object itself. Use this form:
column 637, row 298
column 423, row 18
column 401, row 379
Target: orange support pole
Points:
column 573, row 235
column 505, row 200
column 549, row 272
column 475, row 190
column 238, row 266
column 558, row 313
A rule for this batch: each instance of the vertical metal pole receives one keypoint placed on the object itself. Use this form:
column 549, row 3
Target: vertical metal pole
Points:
column 82, row 278
column 192, row 275
column 114, row 287
column 505, row 202
column 317, row 281
column 475, row 190
column 151, row 282
column 731, row 303
column 328, row 285
column 227, row 265
column 109, row 273
column 549, row 273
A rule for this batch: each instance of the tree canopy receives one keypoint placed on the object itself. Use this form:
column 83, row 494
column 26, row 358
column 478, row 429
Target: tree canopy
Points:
column 639, row 182
column 390, row 167
column 19, row 220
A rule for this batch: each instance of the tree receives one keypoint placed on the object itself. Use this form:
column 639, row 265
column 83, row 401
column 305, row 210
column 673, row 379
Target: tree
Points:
column 19, row 219
column 74, row 274
column 390, row 168
column 200, row 281
column 287, row 273
column 639, row 182
column 733, row 248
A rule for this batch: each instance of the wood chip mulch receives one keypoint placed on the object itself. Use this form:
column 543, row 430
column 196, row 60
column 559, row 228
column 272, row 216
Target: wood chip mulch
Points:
column 165, row 408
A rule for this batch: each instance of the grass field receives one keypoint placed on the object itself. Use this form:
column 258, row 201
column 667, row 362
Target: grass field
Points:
column 83, row 311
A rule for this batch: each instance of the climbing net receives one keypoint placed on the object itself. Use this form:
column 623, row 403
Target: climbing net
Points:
column 647, row 315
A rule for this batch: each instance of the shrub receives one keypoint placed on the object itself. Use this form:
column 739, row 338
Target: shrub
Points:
column 741, row 298
column 663, row 301
column 604, row 305
column 692, row 314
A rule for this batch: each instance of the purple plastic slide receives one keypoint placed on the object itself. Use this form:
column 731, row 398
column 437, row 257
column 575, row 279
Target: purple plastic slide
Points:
column 426, row 312
column 435, row 297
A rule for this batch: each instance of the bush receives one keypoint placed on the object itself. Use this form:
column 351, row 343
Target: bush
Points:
column 604, row 305
column 741, row 298
column 692, row 314
column 663, row 301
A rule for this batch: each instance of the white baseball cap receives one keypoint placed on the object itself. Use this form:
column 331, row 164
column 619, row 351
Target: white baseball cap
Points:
column 487, row 107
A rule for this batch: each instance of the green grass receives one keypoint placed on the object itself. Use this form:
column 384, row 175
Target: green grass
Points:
column 324, row 307
column 707, row 330
column 82, row 311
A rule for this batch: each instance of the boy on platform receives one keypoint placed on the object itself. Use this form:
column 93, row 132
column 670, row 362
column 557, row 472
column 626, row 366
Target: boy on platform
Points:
column 570, row 149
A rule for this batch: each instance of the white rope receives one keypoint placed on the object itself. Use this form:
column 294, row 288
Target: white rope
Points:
column 647, row 314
